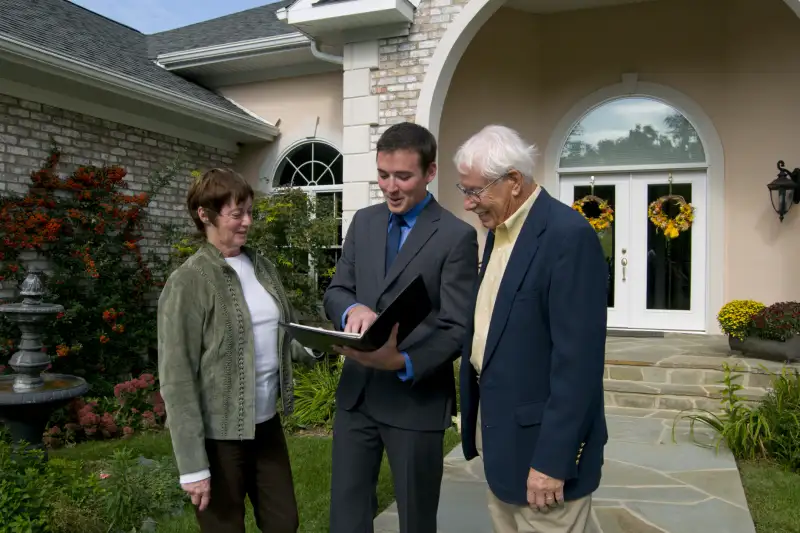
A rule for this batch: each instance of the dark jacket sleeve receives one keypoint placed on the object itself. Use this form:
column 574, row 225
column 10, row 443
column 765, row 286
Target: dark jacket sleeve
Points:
column 459, row 275
column 341, row 293
column 577, row 308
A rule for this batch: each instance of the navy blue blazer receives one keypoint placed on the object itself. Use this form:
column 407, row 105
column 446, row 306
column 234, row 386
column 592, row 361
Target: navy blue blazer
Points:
column 541, row 386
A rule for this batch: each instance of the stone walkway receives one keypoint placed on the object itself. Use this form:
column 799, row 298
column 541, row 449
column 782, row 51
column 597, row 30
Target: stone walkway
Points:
column 651, row 484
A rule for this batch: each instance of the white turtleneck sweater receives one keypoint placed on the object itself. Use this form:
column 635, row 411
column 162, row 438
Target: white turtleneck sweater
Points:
column 265, row 315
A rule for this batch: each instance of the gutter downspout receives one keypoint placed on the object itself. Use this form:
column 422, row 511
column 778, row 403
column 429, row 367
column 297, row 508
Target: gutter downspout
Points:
column 283, row 15
column 330, row 58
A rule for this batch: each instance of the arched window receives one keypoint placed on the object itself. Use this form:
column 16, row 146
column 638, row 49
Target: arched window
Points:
column 310, row 164
column 316, row 167
column 632, row 131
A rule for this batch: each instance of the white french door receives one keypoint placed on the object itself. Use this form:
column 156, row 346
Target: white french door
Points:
column 654, row 283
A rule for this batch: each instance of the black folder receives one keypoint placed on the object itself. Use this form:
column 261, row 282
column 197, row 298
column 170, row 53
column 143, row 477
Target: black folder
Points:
column 408, row 309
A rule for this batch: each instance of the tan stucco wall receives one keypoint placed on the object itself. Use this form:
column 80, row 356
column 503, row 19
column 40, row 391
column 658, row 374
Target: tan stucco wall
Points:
column 298, row 103
column 739, row 60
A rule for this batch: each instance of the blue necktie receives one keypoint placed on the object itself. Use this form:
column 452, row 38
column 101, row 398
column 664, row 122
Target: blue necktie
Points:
column 393, row 240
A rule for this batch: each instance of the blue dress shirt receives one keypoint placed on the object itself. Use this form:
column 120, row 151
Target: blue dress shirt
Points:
column 410, row 219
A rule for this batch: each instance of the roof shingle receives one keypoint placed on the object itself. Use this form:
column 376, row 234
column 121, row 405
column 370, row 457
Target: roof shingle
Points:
column 253, row 23
column 64, row 28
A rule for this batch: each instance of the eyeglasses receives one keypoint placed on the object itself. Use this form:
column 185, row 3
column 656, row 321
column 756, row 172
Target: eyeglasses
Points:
column 475, row 195
column 235, row 215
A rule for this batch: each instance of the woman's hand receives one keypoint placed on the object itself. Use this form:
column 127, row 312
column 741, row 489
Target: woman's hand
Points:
column 200, row 492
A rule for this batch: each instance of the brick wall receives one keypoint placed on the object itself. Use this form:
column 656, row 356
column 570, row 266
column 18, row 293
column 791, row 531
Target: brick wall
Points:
column 404, row 61
column 27, row 129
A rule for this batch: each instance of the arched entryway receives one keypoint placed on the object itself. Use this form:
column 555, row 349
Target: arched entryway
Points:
column 632, row 144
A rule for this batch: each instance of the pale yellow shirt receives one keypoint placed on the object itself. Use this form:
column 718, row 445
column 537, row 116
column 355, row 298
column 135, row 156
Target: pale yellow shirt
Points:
column 505, row 236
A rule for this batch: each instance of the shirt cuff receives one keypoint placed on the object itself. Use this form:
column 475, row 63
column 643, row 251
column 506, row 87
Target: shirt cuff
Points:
column 344, row 315
column 195, row 477
column 408, row 373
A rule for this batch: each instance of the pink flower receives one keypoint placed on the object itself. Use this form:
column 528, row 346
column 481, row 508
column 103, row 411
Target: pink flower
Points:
column 127, row 432
column 104, row 476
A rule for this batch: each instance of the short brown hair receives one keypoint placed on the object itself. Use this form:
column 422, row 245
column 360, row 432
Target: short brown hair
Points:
column 213, row 190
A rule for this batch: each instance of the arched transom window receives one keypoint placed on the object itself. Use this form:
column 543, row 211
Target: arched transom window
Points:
column 632, row 131
column 310, row 164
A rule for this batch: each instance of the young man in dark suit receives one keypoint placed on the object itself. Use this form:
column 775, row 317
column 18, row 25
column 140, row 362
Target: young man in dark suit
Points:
column 532, row 369
column 399, row 398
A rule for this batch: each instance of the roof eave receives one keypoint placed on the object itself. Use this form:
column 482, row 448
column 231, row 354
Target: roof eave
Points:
column 128, row 86
column 232, row 51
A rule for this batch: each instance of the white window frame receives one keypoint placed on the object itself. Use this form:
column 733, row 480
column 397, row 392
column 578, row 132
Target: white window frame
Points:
column 311, row 190
column 715, row 169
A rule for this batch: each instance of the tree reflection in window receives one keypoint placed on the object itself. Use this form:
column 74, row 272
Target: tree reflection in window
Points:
column 632, row 131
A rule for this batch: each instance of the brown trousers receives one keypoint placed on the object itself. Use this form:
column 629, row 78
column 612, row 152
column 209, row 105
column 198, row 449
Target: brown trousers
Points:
column 258, row 469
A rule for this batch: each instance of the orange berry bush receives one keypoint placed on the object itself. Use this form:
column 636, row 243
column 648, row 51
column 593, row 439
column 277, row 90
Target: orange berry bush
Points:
column 89, row 226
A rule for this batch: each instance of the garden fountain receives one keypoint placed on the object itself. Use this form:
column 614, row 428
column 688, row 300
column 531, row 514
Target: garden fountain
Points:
column 28, row 397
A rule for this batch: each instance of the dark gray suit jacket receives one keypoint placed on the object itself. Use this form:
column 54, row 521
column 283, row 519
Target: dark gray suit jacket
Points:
column 444, row 249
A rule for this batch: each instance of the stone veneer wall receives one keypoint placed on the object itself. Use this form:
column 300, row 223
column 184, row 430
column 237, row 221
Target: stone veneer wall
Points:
column 382, row 82
column 404, row 61
column 27, row 129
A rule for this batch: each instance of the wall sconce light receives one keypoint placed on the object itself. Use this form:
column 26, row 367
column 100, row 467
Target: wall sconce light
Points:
column 784, row 191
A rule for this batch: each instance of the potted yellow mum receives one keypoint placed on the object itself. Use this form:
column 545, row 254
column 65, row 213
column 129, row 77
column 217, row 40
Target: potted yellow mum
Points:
column 735, row 319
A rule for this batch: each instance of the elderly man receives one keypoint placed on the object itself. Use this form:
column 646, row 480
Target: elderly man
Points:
column 532, row 367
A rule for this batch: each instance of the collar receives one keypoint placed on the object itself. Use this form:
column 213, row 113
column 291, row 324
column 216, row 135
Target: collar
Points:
column 411, row 215
column 513, row 224
column 216, row 256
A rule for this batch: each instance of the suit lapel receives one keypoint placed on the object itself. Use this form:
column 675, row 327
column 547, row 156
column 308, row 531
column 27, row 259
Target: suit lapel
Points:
column 424, row 228
column 518, row 264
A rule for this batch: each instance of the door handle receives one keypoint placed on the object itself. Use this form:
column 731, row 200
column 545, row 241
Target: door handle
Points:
column 624, row 265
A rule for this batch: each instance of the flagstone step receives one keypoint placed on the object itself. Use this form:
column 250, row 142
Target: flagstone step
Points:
column 650, row 395
column 680, row 373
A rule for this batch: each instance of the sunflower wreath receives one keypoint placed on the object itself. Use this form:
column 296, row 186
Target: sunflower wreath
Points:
column 671, row 227
column 601, row 222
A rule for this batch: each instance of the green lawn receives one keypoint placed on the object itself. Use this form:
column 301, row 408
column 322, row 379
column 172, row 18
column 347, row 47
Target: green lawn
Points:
column 311, row 465
column 773, row 495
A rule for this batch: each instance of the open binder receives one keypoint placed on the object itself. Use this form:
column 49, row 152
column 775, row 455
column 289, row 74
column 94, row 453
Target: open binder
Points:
column 408, row 309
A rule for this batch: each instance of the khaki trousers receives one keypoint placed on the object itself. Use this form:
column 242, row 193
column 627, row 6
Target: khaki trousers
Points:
column 572, row 517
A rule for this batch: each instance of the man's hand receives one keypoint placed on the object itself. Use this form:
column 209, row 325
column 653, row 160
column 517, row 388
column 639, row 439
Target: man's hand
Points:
column 543, row 491
column 384, row 358
column 359, row 319
column 200, row 492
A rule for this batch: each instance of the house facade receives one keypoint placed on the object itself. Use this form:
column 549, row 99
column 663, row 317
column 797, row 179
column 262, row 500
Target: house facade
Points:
column 629, row 101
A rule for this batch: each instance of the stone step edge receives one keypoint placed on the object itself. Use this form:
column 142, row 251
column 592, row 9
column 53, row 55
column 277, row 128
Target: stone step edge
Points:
column 684, row 376
column 742, row 366
column 678, row 390
column 660, row 402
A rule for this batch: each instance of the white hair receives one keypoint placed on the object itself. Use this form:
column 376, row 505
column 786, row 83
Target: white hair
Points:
column 494, row 151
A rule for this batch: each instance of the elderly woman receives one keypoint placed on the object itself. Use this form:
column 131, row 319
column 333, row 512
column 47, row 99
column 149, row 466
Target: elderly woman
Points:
column 223, row 363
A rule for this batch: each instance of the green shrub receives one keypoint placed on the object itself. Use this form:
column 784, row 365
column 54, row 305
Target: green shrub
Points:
column 770, row 429
column 134, row 491
column 315, row 394
column 30, row 488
